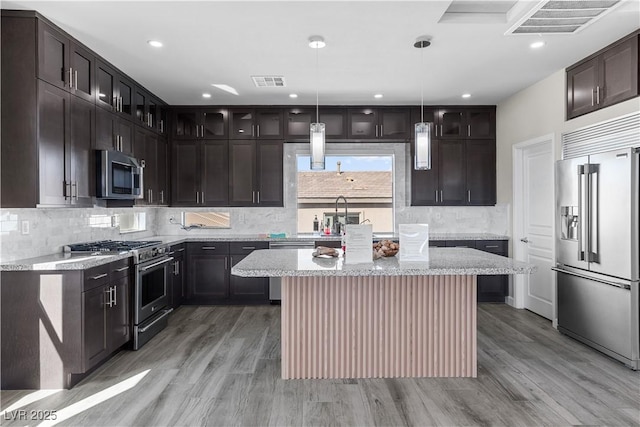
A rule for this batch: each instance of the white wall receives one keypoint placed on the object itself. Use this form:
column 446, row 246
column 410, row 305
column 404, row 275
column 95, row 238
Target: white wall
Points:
column 537, row 111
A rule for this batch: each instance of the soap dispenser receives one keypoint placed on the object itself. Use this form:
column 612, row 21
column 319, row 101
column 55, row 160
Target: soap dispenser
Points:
column 316, row 225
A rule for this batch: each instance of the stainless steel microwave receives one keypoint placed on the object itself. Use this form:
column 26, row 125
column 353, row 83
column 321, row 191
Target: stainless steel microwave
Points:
column 119, row 176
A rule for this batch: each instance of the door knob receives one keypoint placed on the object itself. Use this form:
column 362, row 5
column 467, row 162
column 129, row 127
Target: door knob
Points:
column 524, row 240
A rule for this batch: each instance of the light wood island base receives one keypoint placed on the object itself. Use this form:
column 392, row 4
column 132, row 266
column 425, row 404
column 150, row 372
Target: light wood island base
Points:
column 379, row 326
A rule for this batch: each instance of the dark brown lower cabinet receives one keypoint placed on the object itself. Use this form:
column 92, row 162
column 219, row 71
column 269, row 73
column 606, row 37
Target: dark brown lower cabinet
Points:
column 207, row 273
column 246, row 290
column 492, row 288
column 209, row 279
column 178, row 275
column 56, row 326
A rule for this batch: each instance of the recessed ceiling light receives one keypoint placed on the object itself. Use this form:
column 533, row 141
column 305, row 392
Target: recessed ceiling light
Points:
column 206, row 95
column 225, row 88
column 537, row 45
column 155, row 43
column 377, row 95
column 316, row 42
column 466, row 95
column 293, row 95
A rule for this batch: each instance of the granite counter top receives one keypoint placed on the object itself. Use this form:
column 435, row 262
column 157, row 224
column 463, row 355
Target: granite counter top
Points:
column 61, row 261
column 443, row 261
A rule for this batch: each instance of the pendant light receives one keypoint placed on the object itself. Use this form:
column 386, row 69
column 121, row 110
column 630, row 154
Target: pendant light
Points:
column 422, row 148
column 317, row 136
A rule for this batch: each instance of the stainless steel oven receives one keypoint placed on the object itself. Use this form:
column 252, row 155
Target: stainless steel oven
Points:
column 151, row 293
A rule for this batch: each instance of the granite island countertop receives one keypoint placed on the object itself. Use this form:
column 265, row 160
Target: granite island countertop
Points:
column 442, row 261
column 65, row 261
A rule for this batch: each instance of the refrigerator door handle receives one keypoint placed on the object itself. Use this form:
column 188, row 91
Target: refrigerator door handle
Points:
column 594, row 214
column 582, row 276
column 582, row 220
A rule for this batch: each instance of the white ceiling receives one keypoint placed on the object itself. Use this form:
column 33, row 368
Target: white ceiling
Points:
column 369, row 48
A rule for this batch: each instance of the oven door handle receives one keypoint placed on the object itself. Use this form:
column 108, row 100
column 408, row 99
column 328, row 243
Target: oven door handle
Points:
column 155, row 264
column 165, row 313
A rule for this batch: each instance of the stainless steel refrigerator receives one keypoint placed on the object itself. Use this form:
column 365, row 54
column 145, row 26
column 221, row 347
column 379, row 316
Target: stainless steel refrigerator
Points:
column 597, row 252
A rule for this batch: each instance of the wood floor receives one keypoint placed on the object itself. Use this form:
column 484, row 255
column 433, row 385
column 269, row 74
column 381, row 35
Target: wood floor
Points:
column 221, row 366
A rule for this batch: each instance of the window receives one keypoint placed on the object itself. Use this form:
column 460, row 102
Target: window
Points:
column 365, row 181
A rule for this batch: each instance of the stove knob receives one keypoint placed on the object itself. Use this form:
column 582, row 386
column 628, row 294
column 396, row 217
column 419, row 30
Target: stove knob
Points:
column 154, row 252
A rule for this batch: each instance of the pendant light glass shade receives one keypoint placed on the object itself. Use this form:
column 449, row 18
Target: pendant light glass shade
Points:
column 316, row 138
column 422, row 149
column 317, row 146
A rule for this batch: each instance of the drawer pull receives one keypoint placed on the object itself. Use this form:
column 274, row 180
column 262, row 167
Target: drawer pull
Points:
column 181, row 250
column 99, row 276
column 247, row 248
column 208, row 248
column 492, row 246
column 122, row 269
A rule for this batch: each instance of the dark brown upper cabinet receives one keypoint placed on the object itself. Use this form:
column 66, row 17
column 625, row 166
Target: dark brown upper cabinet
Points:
column 256, row 123
column 64, row 63
column 114, row 90
column 378, row 123
column 255, row 173
column 607, row 77
column 200, row 173
column 478, row 122
column 463, row 172
column 298, row 122
column 205, row 123
column 65, row 139
column 113, row 132
column 151, row 150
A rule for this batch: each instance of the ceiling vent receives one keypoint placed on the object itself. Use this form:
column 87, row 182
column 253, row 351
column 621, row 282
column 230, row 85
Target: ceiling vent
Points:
column 562, row 16
column 269, row 81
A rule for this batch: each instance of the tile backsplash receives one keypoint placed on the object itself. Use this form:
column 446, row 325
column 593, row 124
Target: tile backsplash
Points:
column 50, row 229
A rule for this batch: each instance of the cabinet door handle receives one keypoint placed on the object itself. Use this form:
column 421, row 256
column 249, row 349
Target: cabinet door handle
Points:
column 115, row 295
column 598, row 95
column 66, row 189
column 441, row 130
column 258, row 131
column 258, row 196
column 253, row 197
column 592, row 99
column 226, row 263
column 197, row 131
column 381, row 133
column 436, row 196
column 70, row 78
column 74, row 190
column 75, row 79
column 99, row 276
column 162, row 126
column 469, row 196
column 202, row 131
column 202, row 197
column 178, row 268
column 441, row 198
column 197, row 197
column 468, row 130
column 108, row 298
column 208, row 248
column 162, row 196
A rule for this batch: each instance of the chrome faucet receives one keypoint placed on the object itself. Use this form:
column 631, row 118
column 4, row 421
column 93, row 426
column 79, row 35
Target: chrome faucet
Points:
column 336, row 223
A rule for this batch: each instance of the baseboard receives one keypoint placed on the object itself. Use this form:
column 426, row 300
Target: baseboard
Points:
column 510, row 301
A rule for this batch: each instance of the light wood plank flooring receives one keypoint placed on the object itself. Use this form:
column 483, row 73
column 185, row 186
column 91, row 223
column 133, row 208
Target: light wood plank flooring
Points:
column 220, row 366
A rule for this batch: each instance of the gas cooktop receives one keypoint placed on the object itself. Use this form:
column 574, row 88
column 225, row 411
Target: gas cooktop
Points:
column 111, row 245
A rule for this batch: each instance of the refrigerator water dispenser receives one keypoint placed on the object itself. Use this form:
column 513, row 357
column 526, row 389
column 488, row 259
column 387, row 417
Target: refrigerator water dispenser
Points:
column 569, row 222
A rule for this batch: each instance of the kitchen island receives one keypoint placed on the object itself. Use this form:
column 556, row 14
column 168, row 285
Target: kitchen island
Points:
column 384, row 319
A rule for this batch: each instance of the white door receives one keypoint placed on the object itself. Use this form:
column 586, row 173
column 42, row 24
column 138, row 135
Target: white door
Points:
column 533, row 224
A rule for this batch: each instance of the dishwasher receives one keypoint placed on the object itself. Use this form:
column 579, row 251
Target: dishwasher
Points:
column 275, row 283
